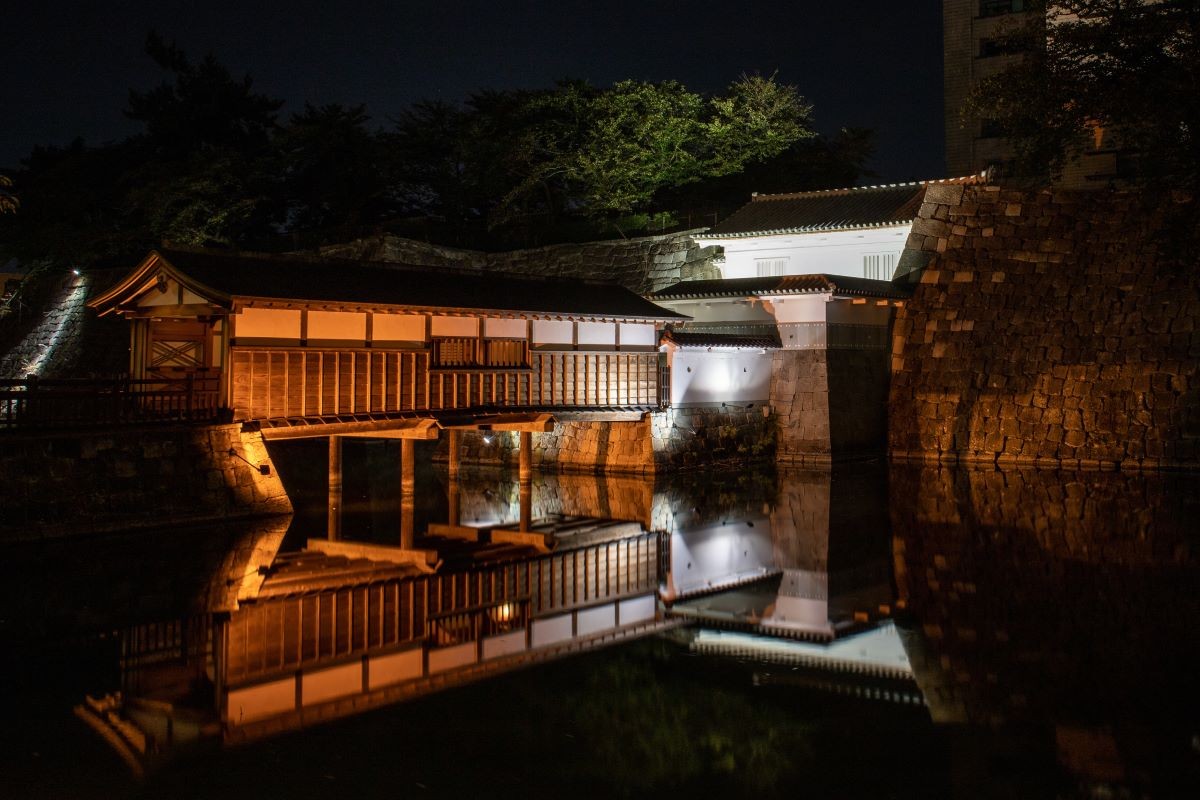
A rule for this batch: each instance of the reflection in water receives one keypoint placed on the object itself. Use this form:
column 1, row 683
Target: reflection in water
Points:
column 1062, row 601
column 1046, row 620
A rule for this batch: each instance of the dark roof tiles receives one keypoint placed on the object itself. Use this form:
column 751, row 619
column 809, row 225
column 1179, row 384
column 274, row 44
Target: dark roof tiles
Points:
column 827, row 210
column 710, row 339
column 329, row 280
column 784, row 284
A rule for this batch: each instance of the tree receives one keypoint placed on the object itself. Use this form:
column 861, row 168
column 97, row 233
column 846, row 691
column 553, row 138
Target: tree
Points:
column 1129, row 67
column 610, row 151
column 331, row 170
column 8, row 201
column 203, row 107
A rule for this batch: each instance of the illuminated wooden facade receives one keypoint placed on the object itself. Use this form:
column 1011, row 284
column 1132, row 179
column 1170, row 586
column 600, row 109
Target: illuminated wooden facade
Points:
column 292, row 337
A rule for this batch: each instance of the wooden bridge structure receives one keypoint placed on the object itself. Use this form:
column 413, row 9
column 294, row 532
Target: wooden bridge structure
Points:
column 290, row 341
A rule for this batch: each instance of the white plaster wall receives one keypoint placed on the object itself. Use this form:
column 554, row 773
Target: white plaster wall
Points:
column 262, row 700
column 638, row 335
column 453, row 326
column 595, row 620
column 504, row 644
column 494, row 328
column 550, row 630
column 723, row 554
column 799, row 308
column 338, row 325
column 331, row 683
column 720, row 376
column 547, row 331
column 597, row 333
column 637, row 609
column 172, row 294
column 398, row 328
column 829, row 252
column 267, row 323
column 395, row 667
column 459, row 655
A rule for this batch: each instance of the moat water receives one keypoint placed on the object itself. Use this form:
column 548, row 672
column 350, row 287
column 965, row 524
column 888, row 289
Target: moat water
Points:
column 872, row 631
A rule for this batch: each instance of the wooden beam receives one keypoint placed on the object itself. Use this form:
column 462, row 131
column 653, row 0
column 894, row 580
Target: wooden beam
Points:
column 425, row 429
column 424, row 560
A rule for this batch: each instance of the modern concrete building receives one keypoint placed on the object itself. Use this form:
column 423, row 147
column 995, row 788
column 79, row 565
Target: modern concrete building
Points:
column 977, row 44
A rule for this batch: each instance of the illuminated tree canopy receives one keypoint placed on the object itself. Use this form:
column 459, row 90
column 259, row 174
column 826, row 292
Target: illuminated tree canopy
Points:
column 217, row 163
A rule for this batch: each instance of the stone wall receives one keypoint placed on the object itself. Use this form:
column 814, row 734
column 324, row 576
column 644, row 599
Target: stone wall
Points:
column 644, row 264
column 678, row 438
column 830, row 403
column 65, row 338
column 1049, row 327
column 1036, row 595
column 800, row 398
column 84, row 482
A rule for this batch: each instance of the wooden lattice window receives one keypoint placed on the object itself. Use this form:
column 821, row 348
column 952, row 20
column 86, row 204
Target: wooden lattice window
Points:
column 505, row 353
column 455, row 352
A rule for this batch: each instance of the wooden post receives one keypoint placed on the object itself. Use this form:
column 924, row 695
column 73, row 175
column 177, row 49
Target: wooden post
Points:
column 454, row 443
column 525, row 478
column 408, row 476
column 526, row 462
column 452, row 491
column 335, row 487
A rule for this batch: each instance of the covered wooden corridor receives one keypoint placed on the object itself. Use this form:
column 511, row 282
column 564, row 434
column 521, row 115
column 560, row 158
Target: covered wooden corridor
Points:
column 294, row 339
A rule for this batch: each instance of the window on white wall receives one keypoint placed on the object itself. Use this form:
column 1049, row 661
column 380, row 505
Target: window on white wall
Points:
column 766, row 267
column 879, row 266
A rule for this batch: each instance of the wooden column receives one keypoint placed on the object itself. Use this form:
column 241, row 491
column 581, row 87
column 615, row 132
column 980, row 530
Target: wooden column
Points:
column 526, row 462
column 408, row 481
column 454, row 444
column 335, row 487
column 452, row 491
column 525, row 478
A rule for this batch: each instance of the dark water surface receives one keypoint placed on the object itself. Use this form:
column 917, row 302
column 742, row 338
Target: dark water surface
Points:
column 873, row 631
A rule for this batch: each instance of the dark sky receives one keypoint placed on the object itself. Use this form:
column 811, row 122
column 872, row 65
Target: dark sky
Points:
column 868, row 63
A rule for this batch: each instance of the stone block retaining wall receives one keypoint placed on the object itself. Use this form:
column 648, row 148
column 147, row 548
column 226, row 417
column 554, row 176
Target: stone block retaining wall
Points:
column 92, row 481
column 643, row 264
column 678, row 438
column 1049, row 327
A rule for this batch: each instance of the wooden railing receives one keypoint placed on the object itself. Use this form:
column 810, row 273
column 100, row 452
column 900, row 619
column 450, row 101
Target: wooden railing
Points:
column 270, row 383
column 472, row 624
column 51, row 403
column 280, row 635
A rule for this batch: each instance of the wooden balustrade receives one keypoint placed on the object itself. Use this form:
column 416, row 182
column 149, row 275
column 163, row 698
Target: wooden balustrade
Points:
column 51, row 403
column 268, row 383
column 279, row 635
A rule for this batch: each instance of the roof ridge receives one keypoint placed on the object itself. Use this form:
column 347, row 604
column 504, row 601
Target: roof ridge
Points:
column 965, row 179
column 316, row 259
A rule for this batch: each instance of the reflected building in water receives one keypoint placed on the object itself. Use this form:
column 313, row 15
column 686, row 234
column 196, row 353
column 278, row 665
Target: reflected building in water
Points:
column 1045, row 619
column 778, row 572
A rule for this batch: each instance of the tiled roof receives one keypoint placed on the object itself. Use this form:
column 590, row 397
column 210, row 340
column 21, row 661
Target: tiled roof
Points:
column 311, row 279
column 828, row 210
column 709, row 339
column 784, row 284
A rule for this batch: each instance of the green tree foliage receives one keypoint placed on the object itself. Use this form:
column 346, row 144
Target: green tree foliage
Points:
column 215, row 165
column 1128, row 66
column 609, row 152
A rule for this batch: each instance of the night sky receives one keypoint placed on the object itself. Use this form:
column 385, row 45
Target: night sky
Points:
column 867, row 63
